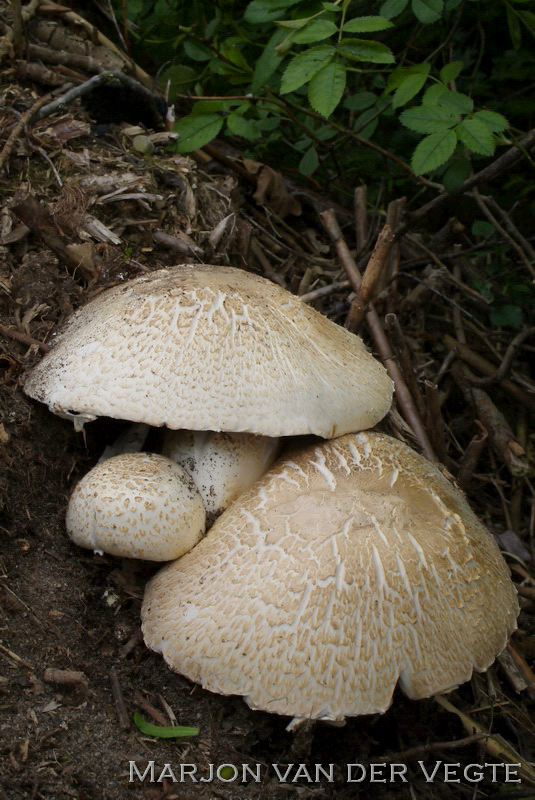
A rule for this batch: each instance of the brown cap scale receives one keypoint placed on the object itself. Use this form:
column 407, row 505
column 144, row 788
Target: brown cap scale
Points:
column 211, row 348
column 347, row 568
column 137, row 505
column 223, row 465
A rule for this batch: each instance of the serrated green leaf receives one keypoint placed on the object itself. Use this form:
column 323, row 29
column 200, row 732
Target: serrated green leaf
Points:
column 304, row 66
column 428, row 119
column 433, row 94
column 315, row 31
column 331, row 7
column 451, row 71
column 476, row 136
column 393, row 8
column 515, row 31
column 267, row 10
column 507, row 317
column 360, row 101
column 427, row 11
column 494, row 121
column 327, row 87
column 457, row 173
column 240, row 126
column 309, row 163
column 197, row 130
column 366, row 50
column 268, row 62
column 433, row 151
column 408, row 89
column 207, row 107
column 456, row 101
column 161, row 731
column 367, row 25
column 399, row 76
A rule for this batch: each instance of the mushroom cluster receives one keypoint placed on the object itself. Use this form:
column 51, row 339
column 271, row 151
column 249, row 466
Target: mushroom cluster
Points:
column 349, row 567
column 228, row 362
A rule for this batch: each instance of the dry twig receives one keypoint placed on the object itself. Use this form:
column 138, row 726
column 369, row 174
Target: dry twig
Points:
column 381, row 341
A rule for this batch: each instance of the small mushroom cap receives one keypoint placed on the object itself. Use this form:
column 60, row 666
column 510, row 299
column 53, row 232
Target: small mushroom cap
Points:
column 137, row 505
column 211, row 348
column 349, row 567
column 223, row 465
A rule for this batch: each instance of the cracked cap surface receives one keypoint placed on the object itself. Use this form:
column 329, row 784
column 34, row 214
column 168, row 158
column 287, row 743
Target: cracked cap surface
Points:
column 348, row 567
column 211, row 348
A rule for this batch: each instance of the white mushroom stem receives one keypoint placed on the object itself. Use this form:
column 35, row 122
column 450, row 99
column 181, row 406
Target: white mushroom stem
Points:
column 137, row 505
column 223, row 465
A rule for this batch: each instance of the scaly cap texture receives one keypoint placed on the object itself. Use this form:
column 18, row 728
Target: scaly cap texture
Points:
column 137, row 505
column 211, row 348
column 348, row 567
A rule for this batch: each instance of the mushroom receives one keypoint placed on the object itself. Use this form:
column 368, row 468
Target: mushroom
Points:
column 349, row 567
column 223, row 465
column 138, row 505
column 211, row 348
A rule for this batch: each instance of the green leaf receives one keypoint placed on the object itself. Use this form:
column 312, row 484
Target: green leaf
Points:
column 240, row 126
column 433, row 94
column 428, row 119
column 495, row 122
column 366, row 50
column 304, row 66
column 327, row 87
column 456, row 101
column 433, row 151
column 427, row 11
column 360, row 101
column 197, row 130
column 399, row 76
column 515, row 31
column 162, row 732
column 268, row 62
column 457, row 173
column 367, row 24
column 476, row 136
column 482, row 228
column 315, row 31
column 197, row 51
column 507, row 317
column 294, row 23
column 408, row 89
column 309, row 163
column 177, row 77
column 392, row 8
column 267, row 10
column 451, row 71
column 331, row 7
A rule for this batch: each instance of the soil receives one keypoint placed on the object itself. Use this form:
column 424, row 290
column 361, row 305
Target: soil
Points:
column 63, row 608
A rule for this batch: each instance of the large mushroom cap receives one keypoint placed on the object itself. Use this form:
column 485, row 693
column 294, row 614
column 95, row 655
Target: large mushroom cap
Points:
column 211, row 348
column 137, row 505
column 345, row 569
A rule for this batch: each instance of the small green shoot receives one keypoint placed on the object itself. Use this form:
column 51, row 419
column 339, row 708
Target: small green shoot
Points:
column 162, row 732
